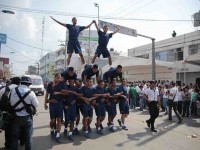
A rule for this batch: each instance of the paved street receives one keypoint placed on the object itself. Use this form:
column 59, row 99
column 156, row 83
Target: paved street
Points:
column 170, row 136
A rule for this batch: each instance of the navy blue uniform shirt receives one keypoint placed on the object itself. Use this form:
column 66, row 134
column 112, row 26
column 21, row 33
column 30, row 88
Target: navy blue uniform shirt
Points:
column 74, row 31
column 103, row 38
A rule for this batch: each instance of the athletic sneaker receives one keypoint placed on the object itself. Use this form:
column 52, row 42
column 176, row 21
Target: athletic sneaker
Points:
column 70, row 138
column 114, row 128
column 120, row 122
column 87, row 135
column 58, row 140
column 124, row 128
column 111, row 129
column 75, row 131
column 100, row 132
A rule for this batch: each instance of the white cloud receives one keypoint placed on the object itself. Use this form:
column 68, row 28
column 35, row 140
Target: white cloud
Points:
column 28, row 22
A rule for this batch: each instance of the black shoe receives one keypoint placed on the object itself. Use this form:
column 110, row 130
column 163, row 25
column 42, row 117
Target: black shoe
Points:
column 52, row 134
column 22, row 143
column 120, row 123
column 89, row 129
column 70, row 138
column 153, row 130
column 148, row 123
column 100, row 132
column 58, row 140
column 75, row 131
column 180, row 120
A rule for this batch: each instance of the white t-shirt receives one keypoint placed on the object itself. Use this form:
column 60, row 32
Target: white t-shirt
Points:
column 141, row 92
column 180, row 95
column 173, row 91
column 165, row 94
column 152, row 94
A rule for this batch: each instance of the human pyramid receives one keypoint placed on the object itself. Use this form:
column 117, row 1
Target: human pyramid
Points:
column 72, row 95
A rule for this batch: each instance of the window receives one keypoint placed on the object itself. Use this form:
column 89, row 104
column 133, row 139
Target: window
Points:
column 170, row 55
column 193, row 49
column 146, row 56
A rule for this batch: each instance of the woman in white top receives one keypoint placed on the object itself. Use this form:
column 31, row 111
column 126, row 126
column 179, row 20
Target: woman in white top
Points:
column 166, row 98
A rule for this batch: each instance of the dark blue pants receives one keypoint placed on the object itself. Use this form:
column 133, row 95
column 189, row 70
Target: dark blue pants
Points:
column 186, row 108
column 19, row 123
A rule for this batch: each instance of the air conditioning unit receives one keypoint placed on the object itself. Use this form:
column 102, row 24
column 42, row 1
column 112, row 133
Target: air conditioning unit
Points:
column 196, row 18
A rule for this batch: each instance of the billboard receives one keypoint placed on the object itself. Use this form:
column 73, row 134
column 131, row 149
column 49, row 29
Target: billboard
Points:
column 3, row 38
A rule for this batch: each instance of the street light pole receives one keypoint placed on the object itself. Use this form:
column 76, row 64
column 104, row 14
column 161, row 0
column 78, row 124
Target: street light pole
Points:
column 97, row 5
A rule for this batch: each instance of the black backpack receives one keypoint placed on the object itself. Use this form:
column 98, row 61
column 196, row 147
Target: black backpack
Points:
column 5, row 100
column 30, row 108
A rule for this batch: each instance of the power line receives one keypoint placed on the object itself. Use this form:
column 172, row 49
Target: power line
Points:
column 130, row 6
column 121, row 8
column 139, row 8
column 20, row 53
column 84, row 15
column 28, row 44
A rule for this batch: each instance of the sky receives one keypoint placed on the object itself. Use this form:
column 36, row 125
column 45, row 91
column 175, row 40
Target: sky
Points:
column 25, row 28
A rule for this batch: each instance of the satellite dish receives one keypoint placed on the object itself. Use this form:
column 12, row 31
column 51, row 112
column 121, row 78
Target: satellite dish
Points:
column 8, row 12
column 196, row 17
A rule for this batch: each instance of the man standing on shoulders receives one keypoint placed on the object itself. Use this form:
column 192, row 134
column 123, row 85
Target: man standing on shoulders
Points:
column 73, row 43
column 20, row 97
column 152, row 96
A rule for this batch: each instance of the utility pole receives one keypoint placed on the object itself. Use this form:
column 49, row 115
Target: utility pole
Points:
column 153, row 55
column 42, row 40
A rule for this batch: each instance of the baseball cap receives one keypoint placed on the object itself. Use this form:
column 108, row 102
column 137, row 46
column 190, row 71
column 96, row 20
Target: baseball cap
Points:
column 25, row 79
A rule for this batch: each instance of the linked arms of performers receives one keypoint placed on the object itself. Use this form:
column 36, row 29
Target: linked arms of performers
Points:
column 88, row 100
column 93, row 21
column 115, row 95
column 63, row 24
column 67, row 92
column 51, row 100
column 103, row 95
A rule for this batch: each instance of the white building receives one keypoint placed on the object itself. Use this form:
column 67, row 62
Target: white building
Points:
column 179, row 50
column 47, row 66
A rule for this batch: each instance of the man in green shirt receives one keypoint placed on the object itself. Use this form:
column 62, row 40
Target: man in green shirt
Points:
column 132, row 96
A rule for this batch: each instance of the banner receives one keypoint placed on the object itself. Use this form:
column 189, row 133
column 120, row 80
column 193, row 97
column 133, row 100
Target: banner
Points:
column 123, row 30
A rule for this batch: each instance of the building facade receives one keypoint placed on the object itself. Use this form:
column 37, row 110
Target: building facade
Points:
column 46, row 64
column 32, row 70
column 176, row 50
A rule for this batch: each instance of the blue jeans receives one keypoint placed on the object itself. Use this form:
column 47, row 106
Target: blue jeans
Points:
column 165, row 104
column 22, row 123
column 186, row 108
column 142, row 104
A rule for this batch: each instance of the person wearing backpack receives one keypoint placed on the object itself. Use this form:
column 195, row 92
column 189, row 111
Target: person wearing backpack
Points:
column 21, row 99
column 4, row 107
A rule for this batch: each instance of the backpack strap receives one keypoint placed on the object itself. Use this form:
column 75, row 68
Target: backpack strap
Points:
column 21, row 99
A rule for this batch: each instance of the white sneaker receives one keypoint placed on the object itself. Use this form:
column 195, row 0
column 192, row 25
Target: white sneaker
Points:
column 114, row 128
